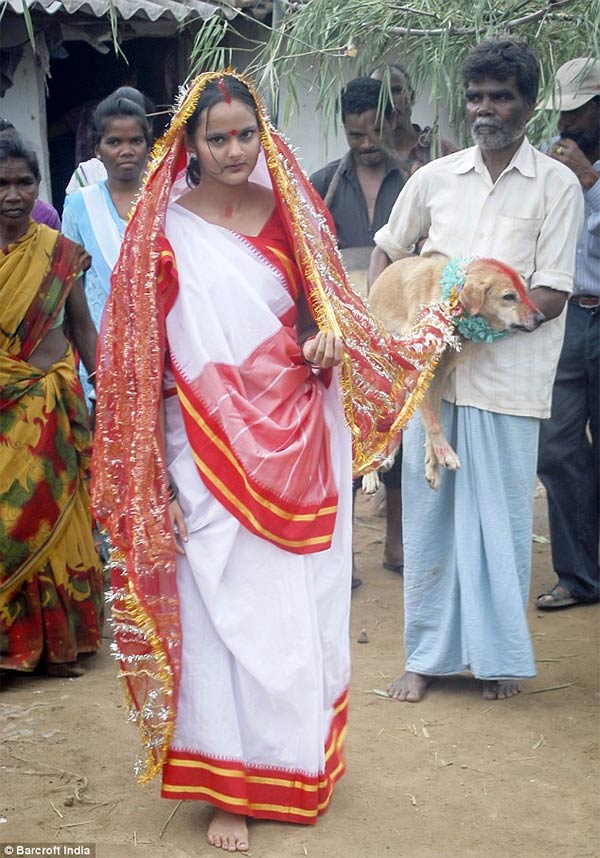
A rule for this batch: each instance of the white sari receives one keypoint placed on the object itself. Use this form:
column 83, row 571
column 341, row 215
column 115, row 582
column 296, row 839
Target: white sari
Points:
column 262, row 701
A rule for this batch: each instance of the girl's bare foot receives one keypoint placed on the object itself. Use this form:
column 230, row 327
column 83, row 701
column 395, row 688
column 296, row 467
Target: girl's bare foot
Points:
column 410, row 687
column 500, row 689
column 228, row 831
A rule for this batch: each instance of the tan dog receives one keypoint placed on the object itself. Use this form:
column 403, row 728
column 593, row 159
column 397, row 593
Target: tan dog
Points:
column 491, row 290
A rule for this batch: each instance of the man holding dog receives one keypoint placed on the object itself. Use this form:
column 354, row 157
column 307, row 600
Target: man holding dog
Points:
column 467, row 547
column 569, row 454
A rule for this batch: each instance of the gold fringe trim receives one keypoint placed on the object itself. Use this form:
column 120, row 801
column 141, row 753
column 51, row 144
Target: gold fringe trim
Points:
column 129, row 610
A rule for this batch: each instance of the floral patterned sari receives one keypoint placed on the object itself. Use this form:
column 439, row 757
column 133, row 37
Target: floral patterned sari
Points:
column 51, row 585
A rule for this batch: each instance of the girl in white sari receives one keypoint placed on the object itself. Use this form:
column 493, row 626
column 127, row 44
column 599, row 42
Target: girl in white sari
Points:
column 233, row 335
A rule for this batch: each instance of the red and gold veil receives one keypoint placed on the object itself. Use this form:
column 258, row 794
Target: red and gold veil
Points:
column 382, row 380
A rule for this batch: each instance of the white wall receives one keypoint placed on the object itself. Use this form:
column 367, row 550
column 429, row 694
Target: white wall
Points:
column 24, row 104
column 317, row 142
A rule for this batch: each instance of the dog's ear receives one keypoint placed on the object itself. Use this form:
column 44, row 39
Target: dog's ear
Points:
column 472, row 295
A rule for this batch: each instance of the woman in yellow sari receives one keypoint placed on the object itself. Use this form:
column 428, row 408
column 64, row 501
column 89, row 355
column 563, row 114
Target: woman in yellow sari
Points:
column 51, row 583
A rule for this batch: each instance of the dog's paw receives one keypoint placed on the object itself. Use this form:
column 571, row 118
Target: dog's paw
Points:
column 370, row 483
column 433, row 476
column 388, row 463
column 446, row 457
column 432, row 469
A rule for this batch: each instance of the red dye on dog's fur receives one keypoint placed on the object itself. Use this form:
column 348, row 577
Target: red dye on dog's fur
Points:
column 510, row 272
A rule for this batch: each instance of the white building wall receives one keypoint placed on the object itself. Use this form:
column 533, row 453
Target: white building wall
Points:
column 24, row 104
column 316, row 140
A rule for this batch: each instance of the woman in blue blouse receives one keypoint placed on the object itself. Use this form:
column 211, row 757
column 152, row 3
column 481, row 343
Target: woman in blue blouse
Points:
column 96, row 216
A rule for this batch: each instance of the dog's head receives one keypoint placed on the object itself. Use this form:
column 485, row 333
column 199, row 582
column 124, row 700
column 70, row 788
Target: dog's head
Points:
column 498, row 294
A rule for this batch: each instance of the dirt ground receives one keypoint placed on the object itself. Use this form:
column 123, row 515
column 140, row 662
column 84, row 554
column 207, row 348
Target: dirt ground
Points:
column 452, row 777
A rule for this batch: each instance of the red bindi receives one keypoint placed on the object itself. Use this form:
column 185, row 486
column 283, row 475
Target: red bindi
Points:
column 233, row 132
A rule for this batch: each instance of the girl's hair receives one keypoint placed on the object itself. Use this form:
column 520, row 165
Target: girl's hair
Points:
column 125, row 101
column 223, row 89
column 12, row 145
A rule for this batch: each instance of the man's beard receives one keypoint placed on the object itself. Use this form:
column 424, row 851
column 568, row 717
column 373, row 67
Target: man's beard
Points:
column 498, row 136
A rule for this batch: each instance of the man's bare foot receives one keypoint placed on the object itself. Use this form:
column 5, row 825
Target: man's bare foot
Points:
column 228, row 831
column 69, row 670
column 500, row 689
column 409, row 688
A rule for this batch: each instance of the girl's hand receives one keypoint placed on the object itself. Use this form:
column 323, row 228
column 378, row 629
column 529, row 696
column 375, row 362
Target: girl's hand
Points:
column 178, row 524
column 323, row 350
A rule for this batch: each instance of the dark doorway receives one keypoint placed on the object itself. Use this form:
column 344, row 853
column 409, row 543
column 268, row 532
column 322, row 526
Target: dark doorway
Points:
column 83, row 78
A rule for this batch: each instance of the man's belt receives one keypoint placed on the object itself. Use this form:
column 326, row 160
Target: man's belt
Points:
column 589, row 302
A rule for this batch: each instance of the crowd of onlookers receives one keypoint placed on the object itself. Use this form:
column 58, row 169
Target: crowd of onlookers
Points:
column 527, row 405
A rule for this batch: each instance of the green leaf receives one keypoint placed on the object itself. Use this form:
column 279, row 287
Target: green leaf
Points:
column 12, row 552
column 17, row 496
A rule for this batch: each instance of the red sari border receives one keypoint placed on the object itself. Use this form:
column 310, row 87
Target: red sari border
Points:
column 261, row 793
column 300, row 531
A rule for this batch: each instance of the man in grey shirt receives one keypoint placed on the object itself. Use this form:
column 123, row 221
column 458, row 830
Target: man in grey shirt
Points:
column 360, row 190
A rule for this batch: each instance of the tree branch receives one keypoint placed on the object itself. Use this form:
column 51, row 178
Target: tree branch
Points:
column 548, row 10
column 415, row 11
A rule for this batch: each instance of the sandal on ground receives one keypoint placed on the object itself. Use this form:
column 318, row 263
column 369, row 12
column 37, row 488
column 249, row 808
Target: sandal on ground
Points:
column 356, row 582
column 557, row 597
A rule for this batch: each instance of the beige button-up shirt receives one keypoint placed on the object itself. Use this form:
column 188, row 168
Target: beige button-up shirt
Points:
column 529, row 219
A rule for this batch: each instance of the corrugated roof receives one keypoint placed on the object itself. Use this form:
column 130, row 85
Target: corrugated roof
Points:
column 152, row 10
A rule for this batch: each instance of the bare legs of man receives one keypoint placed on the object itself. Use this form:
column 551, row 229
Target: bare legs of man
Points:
column 393, row 552
column 411, row 687
column 228, row 831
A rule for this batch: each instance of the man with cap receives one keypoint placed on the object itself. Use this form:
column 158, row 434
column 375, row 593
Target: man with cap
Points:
column 569, row 453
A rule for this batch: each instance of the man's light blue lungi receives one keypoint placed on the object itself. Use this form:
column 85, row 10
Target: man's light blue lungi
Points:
column 467, row 548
